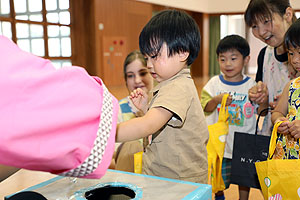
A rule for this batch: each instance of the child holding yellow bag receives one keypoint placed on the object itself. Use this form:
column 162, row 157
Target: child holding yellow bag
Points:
column 287, row 110
column 279, row 175
column 233, row 55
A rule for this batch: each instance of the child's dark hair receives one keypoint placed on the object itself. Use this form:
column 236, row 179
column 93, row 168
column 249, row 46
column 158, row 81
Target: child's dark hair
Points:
column 231, row 42
column 291, row 37
column 175, row 28
column 259, row 10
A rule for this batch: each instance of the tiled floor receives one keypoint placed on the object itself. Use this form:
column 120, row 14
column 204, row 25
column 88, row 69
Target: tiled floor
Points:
column 232, row 193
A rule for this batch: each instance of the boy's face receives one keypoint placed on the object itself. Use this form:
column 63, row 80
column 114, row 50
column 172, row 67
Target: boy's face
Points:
column 163, row 67
column 294, row 57
column 231, row 65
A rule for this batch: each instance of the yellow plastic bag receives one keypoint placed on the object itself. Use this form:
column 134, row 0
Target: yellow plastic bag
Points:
column 279, row 179
column 138, row 162
column 215, row 148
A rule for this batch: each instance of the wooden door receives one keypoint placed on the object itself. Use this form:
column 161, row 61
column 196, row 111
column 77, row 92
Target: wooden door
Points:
column 114, row 54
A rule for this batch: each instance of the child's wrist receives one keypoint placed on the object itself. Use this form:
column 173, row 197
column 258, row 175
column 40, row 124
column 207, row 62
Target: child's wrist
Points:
column 139, row 113
column 216, row 101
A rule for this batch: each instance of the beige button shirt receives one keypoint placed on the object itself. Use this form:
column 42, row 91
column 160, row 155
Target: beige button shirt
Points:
column 178, row 150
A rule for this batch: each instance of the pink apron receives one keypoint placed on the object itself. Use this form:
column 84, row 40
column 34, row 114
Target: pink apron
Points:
column 59, row 121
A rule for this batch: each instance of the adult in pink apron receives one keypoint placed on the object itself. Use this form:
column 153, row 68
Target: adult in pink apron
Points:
column 58, row 121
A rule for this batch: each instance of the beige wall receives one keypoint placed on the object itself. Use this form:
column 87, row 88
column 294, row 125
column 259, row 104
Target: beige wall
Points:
column 212, row 6
column 255, row 46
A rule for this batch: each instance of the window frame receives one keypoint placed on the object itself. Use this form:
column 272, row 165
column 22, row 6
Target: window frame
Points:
column 13, row 21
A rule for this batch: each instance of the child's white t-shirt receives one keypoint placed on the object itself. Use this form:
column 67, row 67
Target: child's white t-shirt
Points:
column 242, row 116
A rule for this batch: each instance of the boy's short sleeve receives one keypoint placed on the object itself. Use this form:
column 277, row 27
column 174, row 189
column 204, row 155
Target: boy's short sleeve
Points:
column 205, row 98
column 176, row 98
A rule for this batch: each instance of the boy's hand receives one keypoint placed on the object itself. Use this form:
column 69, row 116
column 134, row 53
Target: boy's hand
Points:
column 259, row 93
column 229, row 100
column 284, row 126
column 219, row 98
column 215, row 101
column 140, row 99
column 294, row 128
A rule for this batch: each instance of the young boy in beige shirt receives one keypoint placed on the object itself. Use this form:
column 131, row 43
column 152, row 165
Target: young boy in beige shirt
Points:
column 170, row 42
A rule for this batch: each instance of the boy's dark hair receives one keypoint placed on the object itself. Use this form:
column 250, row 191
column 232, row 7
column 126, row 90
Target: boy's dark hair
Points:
column 175, row 28
column 291, row 37
column 259, row 10
column 231, row 42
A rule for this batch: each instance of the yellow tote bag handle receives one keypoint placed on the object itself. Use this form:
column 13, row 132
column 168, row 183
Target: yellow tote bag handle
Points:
column 137, row 159
column 273, row 139
column 223, row 114
column 215, row 147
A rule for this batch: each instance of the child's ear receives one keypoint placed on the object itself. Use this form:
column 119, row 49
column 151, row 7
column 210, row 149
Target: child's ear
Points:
column 183, row 56
column 246, row 60
column 289, row 13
